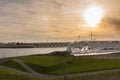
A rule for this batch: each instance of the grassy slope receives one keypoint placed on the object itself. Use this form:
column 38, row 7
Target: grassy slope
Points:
column 47, row 61
column 105, row 76
column 58, row 65
column 12, row 64
column 9, row 75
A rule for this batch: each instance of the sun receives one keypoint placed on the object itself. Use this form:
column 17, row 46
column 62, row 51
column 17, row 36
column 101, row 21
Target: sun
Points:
column 93, row 15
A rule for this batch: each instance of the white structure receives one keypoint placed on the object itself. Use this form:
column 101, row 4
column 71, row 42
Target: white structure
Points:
column 93, row 47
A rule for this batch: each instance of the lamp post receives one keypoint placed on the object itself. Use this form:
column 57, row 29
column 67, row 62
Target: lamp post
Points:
column 91, row 37
column 79, row 41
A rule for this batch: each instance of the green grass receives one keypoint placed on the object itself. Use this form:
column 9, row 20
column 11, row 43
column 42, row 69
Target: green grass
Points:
column 15, row 65
column 103, row 76
column 9, row 75
column 58, row 65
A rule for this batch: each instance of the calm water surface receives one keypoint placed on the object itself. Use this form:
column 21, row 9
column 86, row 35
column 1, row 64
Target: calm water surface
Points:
column 26, row 51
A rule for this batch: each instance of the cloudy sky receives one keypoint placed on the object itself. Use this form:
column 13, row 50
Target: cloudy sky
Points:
column 56, row 20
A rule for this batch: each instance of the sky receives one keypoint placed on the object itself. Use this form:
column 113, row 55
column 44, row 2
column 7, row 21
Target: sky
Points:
column 50, row 20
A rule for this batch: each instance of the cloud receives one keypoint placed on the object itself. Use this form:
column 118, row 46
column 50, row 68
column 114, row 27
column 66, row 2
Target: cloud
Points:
column 111, row 22
column 114, row 22
column 42, row 19
column 108, row 29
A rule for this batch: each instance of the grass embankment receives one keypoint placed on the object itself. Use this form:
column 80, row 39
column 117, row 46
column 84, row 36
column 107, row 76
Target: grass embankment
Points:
column 9, row 75
column 103, row 76
column 59, row 65
column 14, row 65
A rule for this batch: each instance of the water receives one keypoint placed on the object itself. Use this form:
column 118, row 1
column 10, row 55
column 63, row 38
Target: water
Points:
column 26, row 51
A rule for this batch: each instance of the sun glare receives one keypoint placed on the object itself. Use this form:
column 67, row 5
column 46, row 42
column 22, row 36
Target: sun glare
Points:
column 93, row 15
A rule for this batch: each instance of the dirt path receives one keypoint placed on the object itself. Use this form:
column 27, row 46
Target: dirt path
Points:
column 39, row 75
